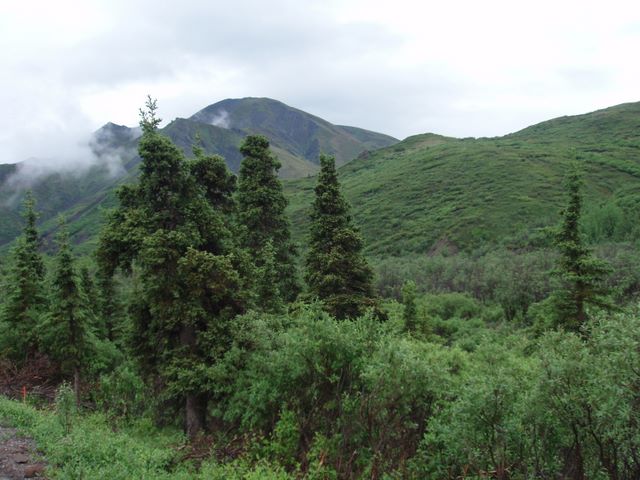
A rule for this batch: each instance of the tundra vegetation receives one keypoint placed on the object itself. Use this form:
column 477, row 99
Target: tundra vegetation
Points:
column 199, row 341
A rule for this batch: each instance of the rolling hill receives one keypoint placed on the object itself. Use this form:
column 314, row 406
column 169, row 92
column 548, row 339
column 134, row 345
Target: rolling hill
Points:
column 430, row 193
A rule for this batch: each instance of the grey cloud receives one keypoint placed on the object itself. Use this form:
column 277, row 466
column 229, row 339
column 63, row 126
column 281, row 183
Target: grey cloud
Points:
column 585, row 77
column 296, row 52
column 221, row 119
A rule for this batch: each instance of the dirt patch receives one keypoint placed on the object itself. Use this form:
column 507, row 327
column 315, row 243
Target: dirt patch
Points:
column 18, row 456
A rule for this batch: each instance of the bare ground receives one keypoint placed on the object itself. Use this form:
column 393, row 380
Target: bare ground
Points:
column 18, row 456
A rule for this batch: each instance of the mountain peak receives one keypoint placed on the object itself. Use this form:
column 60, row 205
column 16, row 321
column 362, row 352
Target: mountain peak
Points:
column 291, row 130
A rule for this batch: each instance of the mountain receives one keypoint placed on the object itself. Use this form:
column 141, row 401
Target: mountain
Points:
column 430, row 193
column 296, row 137
column 291, row 130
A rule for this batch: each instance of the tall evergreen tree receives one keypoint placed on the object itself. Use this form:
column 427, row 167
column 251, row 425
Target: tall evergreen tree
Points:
column 190, row 285
column 26, row 299
column 65, row 331
column 410, row 312
column 109, row 307
column 98, row 296
column 212, row 174
column 267, row 287
column 337, row 272
column 580, row 274
column 261, row 213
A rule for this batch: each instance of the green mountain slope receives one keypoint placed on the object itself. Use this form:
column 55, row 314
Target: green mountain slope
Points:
column 433, row 193
column 292, row 130
column 185, row 132
column 371, row 140
column 430, row 193
column 297, row 138
column 617, row 124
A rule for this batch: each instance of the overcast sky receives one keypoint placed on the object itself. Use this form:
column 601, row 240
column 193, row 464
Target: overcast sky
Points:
column 461, row 68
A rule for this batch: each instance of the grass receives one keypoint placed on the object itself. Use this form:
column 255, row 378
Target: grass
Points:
column 94, row 449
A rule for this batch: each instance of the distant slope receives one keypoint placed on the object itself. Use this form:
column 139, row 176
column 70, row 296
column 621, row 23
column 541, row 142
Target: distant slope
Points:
column 619, row 124
column 296, row 137
column 226, row 142
column 369, row 139
column 429, row 193
column 6, row 170
column 294, row 131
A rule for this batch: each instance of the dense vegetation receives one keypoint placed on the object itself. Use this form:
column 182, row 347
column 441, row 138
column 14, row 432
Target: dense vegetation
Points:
column 193, row 351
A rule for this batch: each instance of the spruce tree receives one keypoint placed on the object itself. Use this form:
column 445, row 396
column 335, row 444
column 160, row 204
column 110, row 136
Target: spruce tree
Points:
column 261, row 214
column 65, row 331
column 88, row 285
column 190, row 281
column 337, row 273
column 410, row 312
column 580, row 274
column 26, row 299
column 267, row 288
column 99, row 295
column 212, row 174
column 109, row 307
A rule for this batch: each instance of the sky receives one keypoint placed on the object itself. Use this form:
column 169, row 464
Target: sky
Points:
column 459, row 68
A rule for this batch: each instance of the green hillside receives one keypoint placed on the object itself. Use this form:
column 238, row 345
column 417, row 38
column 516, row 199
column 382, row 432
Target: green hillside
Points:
column 296, row 137
column 431, row 193
column 469, row 375
column 618, row 125
column 185, row 133
column 291, row 130
column 371, row 140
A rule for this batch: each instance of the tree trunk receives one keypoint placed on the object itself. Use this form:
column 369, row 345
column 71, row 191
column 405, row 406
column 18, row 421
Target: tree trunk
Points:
column 578, row 462
column 195, row 405
column 195, row 410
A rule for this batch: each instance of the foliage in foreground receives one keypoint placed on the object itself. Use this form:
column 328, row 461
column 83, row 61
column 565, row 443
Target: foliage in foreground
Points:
column 321, row 398
column 90, row 448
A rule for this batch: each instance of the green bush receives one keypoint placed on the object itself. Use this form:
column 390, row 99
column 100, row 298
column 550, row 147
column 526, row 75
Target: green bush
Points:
column 563, row 406
column 306, row 396
column 482, row 429
column 122, row 393
column 450, row 305
column 337, row 396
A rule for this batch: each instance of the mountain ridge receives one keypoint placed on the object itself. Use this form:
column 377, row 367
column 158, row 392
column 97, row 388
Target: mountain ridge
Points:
column 115, row 147
column 429, row 190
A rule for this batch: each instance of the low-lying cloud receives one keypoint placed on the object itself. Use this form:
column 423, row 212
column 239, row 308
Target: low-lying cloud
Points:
column 73, row 155
column 221, row 119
